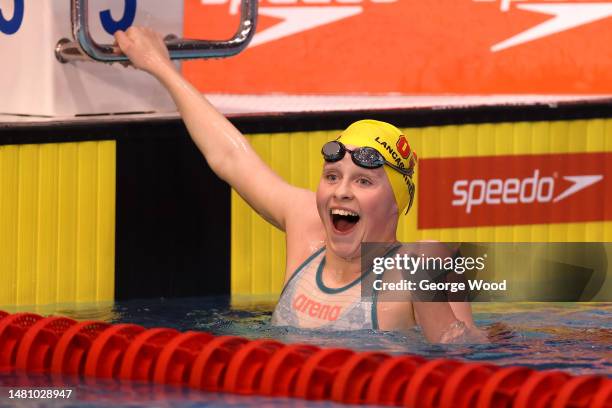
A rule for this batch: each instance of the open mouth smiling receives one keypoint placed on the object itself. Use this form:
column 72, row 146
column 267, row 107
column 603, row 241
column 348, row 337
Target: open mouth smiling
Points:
column 343, row 220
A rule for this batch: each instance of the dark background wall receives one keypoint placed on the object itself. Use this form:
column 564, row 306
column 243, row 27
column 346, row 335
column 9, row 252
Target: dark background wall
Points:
column 172, row 231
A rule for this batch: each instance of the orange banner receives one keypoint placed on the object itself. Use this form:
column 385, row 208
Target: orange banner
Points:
column 410, row 47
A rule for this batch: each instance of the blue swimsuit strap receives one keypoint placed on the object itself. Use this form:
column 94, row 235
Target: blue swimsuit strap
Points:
column 332, row 291
column 302, row 266
column 326, row 289
column 391, row 252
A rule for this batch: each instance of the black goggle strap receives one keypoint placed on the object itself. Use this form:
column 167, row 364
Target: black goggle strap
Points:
column 411, row 189
column 343, row 150
column 405, row 172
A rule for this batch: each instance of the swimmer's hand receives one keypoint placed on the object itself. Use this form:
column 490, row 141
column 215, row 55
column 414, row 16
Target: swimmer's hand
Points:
column 460, row 333
column 145, row 48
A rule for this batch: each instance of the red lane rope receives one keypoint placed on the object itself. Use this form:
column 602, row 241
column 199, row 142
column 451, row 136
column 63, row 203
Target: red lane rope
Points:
column 73, row 346
column 233, row 364
column 12, row 329
column 176, row 359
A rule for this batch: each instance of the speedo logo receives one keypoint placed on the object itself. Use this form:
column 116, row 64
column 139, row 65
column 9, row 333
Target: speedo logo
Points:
column 534, row 189
column 298, row 15
column 563, row 16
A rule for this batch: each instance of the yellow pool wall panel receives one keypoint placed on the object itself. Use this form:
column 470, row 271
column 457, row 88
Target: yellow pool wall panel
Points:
column 57, row 222
column 258, row 249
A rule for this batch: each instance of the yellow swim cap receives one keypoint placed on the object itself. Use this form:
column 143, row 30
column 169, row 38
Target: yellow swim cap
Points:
column 394, row 147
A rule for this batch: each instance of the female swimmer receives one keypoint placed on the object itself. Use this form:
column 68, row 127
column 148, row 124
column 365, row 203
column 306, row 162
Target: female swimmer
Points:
column 365, row 185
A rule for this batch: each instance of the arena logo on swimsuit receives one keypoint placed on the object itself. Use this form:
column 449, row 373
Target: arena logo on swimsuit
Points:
column 304, row 304
column 514, row 190
column 11, row 26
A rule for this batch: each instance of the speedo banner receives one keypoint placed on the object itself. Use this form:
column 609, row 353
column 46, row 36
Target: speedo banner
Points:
column 416, row 47
column 515, row 190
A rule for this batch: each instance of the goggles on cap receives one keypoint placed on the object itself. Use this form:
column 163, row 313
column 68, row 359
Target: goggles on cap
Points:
column 366, row 157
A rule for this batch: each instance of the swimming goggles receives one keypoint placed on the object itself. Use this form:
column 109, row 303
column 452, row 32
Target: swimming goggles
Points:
column 366, row 157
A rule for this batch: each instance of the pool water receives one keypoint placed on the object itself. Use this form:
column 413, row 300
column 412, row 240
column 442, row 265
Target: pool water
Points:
column 573, row 337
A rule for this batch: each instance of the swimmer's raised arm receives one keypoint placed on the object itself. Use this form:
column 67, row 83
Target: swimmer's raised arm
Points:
column 226, row 150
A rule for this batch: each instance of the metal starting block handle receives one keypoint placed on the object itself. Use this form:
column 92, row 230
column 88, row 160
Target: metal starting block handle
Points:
column 84, row 48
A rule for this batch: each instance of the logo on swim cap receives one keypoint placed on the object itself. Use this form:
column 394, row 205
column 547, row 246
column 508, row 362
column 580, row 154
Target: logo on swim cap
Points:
column 403, row 147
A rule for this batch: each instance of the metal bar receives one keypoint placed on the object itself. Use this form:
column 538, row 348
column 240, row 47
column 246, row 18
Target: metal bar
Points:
column 84, row 48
